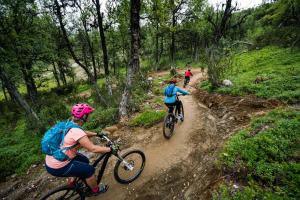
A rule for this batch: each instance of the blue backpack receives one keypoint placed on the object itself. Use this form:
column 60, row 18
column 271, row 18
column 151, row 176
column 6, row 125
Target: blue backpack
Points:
column 169, row 90
column 54, row 139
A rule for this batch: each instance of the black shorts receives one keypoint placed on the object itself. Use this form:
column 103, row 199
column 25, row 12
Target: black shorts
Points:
column 188, row 78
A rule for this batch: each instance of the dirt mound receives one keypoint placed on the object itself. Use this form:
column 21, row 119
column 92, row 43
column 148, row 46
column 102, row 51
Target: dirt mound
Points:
column 233, row 112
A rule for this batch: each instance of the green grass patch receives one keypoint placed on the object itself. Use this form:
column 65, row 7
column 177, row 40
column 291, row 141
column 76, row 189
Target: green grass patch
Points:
column 147, row 118
column 265, row 156
column 278, row 67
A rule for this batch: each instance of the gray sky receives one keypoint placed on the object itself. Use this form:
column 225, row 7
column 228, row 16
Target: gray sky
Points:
column 243, row 4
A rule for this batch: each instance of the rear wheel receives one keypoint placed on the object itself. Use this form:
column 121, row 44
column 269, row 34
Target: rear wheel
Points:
column 184, row 83
column 182, row 111
column 169, row 124
column 64, row 192
column 131, row 167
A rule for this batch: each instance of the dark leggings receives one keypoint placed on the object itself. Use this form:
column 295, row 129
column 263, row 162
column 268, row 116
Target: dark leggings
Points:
column 172, row 105
column 78, row 167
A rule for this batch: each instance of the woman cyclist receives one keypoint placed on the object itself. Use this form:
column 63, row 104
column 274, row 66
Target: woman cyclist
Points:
column 171, row 99
column 78, row 164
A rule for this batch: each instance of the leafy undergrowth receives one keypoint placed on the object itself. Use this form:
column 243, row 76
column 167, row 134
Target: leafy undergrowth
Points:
column 18, row 149
column 264, row 159
column 101, row 118
column 271, row 72
column 147, row 118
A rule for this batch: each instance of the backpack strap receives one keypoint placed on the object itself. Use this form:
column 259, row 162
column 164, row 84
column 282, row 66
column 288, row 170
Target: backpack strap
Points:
column 68, row 125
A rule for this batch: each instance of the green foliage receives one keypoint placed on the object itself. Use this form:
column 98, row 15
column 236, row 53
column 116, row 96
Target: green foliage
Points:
column 266, row 155
column 276, row 68
column 147, row 118
column 218, row 61
column 54, row 113
column 64, row 90
column 18, row 150
column 101, row 118
column 248, row 192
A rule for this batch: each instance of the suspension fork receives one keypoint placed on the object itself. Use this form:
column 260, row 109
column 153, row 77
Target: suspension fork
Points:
column 128, row 165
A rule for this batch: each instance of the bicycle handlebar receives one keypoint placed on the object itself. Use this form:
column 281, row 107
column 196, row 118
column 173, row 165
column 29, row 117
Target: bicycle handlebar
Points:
column 110, row 143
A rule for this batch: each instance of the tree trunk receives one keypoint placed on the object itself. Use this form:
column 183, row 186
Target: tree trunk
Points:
column 90, row 48
column 55, row 73
column 172, row 48
column 114, row 62
column 29, row 81
column 4, row 91
column 156, row 47
column 17, row 97
column 61, row 69
column 104, row 48
column 134, row 64
column 92, row 79
column 161, row 46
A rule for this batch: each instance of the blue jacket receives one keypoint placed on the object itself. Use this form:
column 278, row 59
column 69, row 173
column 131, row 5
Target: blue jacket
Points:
column 172, row 99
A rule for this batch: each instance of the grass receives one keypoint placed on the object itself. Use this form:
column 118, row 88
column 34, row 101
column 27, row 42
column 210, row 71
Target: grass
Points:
column 147, row 118
column 279, row 67
column 265, row 158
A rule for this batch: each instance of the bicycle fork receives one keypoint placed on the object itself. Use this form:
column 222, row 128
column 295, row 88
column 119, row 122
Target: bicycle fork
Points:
column 127, row 166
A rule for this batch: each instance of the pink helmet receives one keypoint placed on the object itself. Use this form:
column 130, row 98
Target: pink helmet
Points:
column 81, row 109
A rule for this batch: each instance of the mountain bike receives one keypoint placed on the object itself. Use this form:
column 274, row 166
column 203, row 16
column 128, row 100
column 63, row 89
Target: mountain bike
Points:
column 126, row 164
column 171, row 119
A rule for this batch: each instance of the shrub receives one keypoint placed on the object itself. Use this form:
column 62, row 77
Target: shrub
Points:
column 18, row 151
column 266, row 154
column 101, row 118
column 147, row 118
column 64, row 90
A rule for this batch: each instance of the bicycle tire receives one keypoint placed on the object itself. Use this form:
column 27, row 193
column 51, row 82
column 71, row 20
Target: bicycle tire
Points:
column 184, row 83
column 68, row 189
column 182, row 111
column 171, row 126
column 118, row 164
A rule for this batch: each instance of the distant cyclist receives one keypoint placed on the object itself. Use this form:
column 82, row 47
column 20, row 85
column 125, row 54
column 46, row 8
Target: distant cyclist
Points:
column 171, row 100
column 187, row 76
column 76, row 164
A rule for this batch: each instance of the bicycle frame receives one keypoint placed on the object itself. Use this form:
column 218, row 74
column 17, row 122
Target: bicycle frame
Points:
column 106, row 157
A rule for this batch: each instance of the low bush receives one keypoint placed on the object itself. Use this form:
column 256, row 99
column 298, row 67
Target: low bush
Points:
column 18, row 151
column 266, row 157
column 147, row 118
column 101, row 118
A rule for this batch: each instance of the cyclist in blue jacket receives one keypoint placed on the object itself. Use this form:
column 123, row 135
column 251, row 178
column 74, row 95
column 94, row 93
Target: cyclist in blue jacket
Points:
column 171, row 97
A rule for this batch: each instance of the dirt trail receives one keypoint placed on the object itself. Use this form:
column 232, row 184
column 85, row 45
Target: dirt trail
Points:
column 162, row 154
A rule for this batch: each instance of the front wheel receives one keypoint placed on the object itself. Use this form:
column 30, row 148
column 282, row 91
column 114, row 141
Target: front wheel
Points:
column 129, row 166
column 64, row 192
